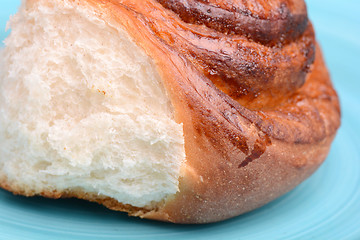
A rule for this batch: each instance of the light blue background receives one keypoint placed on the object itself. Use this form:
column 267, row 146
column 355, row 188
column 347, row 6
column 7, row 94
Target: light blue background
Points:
column 326, row 206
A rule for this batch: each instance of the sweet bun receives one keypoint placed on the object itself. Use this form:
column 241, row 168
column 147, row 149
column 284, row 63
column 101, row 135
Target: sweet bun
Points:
column 184, row 111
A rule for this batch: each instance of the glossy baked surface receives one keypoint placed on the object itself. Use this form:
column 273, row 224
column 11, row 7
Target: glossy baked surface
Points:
column 323, row 206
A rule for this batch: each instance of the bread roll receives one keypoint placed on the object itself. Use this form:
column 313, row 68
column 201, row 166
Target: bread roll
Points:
column 184, row 111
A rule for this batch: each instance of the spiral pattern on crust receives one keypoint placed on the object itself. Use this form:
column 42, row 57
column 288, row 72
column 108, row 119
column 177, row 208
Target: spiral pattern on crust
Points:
column 257, row 52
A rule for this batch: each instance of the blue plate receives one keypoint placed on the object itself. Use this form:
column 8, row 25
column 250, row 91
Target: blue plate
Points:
column 326, row 206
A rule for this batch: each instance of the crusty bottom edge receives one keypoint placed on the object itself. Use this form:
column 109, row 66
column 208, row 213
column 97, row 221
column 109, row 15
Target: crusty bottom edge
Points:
column 108, row 202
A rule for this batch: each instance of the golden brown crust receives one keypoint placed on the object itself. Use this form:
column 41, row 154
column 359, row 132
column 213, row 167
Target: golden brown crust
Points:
column 234, row 166
column 254, row 128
